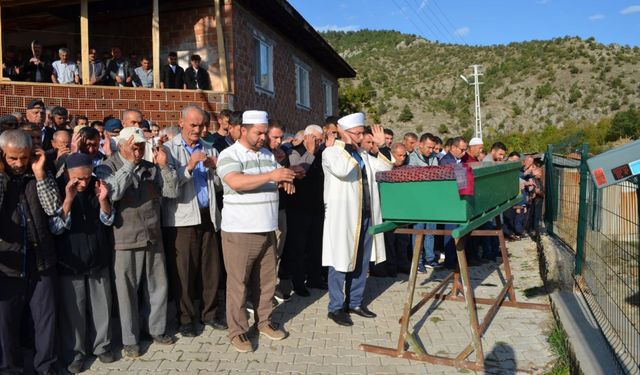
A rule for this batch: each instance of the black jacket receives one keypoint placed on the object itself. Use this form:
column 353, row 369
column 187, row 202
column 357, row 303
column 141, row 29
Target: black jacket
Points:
column 29, row 70
column 201, row 77
column 37, row 240
column 112, row 72
column 309, row 190
column 170, row 79
column 83, row 249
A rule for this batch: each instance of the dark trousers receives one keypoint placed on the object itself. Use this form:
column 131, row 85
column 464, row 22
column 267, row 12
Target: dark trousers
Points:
column 302, row 243
column 490, row 244
column 398, row 251
column 193, row 261
column 536, row 213
column 403, row 250
column 37, row 294
column 513, row 222
column 450, row 255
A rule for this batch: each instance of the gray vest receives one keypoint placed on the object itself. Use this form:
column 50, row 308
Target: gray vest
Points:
column 137, row 218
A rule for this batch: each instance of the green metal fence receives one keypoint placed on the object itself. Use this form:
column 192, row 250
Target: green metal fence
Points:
column 601, row 227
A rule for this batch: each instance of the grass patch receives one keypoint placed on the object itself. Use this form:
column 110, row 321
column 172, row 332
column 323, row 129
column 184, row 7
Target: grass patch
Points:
column 559, row 344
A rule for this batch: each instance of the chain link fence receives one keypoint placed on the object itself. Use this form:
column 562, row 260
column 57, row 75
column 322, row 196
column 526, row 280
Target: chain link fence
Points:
column 601, row 227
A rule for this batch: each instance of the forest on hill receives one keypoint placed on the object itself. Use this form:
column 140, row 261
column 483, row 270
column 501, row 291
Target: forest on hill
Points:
column 567, row 89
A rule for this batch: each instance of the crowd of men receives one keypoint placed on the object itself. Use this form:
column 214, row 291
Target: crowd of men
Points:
column 164, row 225
column 38, row 65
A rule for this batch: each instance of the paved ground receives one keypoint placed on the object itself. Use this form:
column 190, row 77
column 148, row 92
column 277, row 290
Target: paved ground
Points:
column 515, row 340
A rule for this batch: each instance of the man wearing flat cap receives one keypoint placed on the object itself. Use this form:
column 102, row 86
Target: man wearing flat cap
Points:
column 136, row 187
column 8, row 122
column 251, row 177
column 36, row 114
column 82, row 244
column 352, row 205
column 28, row 196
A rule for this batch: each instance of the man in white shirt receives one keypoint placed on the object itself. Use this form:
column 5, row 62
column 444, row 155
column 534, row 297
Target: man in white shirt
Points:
column 251, row 177
column 65, row 71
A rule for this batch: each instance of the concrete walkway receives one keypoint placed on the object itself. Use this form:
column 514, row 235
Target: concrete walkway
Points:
column 515, row 340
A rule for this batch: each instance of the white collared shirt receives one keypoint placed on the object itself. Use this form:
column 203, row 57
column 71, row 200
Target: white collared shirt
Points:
column 65, row 72
column 261, row 204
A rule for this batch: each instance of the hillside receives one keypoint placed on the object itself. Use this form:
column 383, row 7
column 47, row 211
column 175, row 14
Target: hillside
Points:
column 526, row 85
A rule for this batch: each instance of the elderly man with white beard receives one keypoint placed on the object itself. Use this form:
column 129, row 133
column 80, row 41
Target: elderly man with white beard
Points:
column 352, row 205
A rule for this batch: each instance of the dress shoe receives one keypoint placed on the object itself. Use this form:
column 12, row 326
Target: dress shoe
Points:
column 242, row 343
column 187, row 330
column 131, row 351
column 341, row 318
column 363, row 312
column 273, row 332
column 217, row 324
column 163, row 339
column 302, row 292
column 75, row 367
column 281, row 296
column 106, row 357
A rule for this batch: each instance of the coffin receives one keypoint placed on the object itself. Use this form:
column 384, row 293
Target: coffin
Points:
column 438, row 201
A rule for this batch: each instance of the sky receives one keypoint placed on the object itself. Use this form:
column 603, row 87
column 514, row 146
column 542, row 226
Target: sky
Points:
column 481, row 22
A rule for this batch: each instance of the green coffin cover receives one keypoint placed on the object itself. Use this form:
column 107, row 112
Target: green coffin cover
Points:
column 439, row 201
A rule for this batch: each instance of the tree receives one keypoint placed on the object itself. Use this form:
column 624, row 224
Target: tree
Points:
column 406, row 114
column 543, row 91
column 353, row 99
column 625, row 124
column 574, row 94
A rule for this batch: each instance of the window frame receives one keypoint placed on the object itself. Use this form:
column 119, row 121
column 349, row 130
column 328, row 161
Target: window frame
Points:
column 260, row 41
column 299, row 66
column 327, row 84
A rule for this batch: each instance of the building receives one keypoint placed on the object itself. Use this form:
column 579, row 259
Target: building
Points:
column 259, row 54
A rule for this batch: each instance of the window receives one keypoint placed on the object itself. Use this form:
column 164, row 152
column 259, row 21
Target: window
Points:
column 302, row 85
column 327, row 89
column 264, row 65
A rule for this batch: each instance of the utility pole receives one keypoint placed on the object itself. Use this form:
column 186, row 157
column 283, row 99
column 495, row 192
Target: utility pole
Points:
column 476, row 83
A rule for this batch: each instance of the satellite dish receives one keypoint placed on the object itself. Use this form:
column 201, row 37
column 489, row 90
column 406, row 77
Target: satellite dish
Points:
column 464, row 78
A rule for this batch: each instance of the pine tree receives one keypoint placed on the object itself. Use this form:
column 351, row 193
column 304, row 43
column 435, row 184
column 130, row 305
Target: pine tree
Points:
column 406, row 114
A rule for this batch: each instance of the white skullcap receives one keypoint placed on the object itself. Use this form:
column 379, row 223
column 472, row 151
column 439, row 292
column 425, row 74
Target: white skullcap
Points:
column 475, row 141
column 255, row 117
column 351, row 121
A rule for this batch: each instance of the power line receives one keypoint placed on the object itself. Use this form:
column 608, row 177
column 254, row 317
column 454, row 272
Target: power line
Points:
column 409, row 19
column 438, row 24
column 444, row 32
column 426, row 23
column 461, row 37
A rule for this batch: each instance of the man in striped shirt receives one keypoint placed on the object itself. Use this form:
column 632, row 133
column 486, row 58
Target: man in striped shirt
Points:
column 251, row 177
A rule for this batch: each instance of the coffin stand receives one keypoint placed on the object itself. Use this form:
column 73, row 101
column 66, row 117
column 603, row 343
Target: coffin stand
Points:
column 471, row 213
